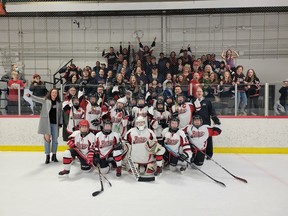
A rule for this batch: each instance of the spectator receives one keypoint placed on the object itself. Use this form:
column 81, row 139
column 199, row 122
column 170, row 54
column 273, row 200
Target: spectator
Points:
column 195, row 82
column 8, row 76
column 284, row 95
column 162, row 63
column 140, row 76
column 168, row 78
column 86, row 81
column 168, row 92
column 229, row 57
column 125, row 52
column 133, row 86
column 111, row 58
column 38, row 89
column 253, row 86
column 239, row 79
column 145, row 51
column 13, row 85
column 97, row 67
column 155, row 75
column 50, row 121
column 226, row 91
column 186, row 55
column 71, row 82
column 173, row 63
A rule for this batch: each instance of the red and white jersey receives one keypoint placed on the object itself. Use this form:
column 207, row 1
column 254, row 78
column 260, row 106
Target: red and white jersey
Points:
column 138, row 140
column 199, row 136
column 119, row 119
column 92, row 113
column 177, row 142
column 184, row 113
column 84, row 144
column 75, row 116
column 157, row 116
column 136, row 111
column 105, row 143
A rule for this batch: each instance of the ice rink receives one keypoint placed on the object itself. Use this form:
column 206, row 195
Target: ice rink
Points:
column 31, row 188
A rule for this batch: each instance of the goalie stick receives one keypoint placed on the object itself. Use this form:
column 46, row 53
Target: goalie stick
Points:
column 194, row 166
column 136, row 173
column 236, row 177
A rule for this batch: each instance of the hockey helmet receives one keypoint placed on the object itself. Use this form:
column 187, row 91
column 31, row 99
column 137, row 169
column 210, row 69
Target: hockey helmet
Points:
column 107, row 127
column 75, row 102
column 141, row 102
column 84, row 127
column 84, row 123
column 197, row 121
column 140, row 123
column 160, row 98
column 181, row 99
column 92, row 99
column 174, row 125
column 111, row 101
column 122, row 101
column 160, row 107
column 169, row 100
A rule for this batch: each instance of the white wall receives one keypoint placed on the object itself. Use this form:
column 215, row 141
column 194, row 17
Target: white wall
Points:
column 237, row 132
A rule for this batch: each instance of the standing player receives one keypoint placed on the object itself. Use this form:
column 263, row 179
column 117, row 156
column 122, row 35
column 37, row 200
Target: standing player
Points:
column 119, row 117
column 141, row 109
column 183, row 110
column 109, row 148
column 198, row 135
column 81, row 144
column 175, row 141
column 142, row 146
column 93, row 114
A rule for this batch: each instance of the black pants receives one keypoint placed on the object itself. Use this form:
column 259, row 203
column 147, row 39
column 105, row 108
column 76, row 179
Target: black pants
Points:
column 209, row 148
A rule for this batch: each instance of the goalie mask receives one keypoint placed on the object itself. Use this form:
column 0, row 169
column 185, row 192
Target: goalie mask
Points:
column 84, row 127
column 181, row 99
column 197, row 121
column 107, row 128
column 140, row 123
column 174, row 125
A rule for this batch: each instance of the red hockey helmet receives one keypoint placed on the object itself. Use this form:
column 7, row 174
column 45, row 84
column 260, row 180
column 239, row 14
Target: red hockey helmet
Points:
column 84, row 123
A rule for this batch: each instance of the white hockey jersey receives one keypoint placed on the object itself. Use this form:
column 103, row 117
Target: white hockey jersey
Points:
column 137, row 141
column 75, row 116
column 119, row 121
column 199, row 136
column 136, row 111
column 92, row 113
column 84, row 144
column 105, row 143
column 184, row 113
column 177, row 142
column 157, row 116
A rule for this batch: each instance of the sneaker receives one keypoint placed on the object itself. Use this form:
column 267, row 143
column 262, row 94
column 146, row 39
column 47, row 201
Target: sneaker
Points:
column 118, row 171
column 182, row 169
column 64, row 172
column 158, row 171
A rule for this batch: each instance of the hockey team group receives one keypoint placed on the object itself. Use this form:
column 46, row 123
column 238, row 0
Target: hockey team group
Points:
column 165, row 134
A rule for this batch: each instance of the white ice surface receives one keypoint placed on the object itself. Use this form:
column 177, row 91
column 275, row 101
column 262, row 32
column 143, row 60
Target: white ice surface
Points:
column 28, row 187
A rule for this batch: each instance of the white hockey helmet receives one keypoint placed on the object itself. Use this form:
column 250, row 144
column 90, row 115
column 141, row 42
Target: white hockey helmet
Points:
column 140, row 123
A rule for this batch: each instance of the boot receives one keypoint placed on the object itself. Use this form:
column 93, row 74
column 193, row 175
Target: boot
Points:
column 47, row 159
column 54, row 158
column 158, row 171
column 64, row 172
column 118, row 171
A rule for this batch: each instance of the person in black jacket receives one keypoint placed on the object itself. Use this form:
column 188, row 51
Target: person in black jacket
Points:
column 284, row 95
column 38, row 89
column 205, row 109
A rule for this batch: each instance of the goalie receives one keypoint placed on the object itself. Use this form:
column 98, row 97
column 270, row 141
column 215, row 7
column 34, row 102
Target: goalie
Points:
column 141, row 144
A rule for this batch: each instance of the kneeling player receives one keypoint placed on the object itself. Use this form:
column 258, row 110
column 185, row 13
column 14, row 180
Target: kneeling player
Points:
column 142, row 146
column 177, row 146
column 81, row 144
column 197, row 135
column 109, row 149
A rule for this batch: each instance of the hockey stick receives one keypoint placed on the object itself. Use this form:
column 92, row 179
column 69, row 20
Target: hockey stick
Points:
column 84, row 157
column 236, row 177
column 101, row 181
column 194, row 166
column 136, row 173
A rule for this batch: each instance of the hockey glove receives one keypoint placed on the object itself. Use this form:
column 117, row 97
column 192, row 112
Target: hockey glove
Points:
column 96, row 158
column 71, row 143
column 183, row 157
column 118, row 146
column 89, row 159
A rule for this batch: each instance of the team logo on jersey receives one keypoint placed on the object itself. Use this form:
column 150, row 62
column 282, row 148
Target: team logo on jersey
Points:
column 77, row 115
column 105, row 143
column 94, row 111
column 142, row 114
column 81, row 145
column 197, row 134
column 138, row 140
column 170, row 141
column 182, row 110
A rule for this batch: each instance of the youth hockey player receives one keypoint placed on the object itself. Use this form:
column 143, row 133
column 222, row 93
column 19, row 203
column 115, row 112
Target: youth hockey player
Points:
column 197, row 135
column 183, row 110
column 142, row 146
column 141, row 109
column 119, row 117
column 93, row 114
column 175, row 141
column 109, row 149
column 81, row 144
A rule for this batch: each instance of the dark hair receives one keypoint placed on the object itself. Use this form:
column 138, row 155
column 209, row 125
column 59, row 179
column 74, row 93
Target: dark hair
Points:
column 48, row 96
